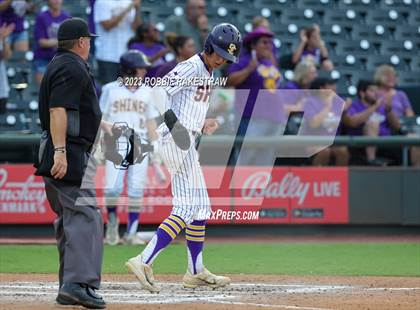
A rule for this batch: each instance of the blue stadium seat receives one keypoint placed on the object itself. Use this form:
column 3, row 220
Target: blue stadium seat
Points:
column 345, row 18
column 363, row 5
column 274, row 4
column 385, row 18
column 345, row 47
column 348, row 61
column 408, row 78
column 414, row 18
column 374, row 33
column 406, row 48
column 301, row 18
column 332, row 32
column 320, row 6
column 403, row 32
column 415, row 64
column 372, row 62
column 402, row 7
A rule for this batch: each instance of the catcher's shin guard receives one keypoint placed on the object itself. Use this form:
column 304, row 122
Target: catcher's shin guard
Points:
column 179, row 132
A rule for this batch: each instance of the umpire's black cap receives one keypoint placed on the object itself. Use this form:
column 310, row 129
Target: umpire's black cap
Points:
column 73, row 28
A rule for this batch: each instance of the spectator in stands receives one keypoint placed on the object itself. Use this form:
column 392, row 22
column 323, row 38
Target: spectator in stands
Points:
column 370, row 116
column 13, row 12
column 386, row 79
column 312, row 48
column 303, row 76
column 45, row 35
column 183, row 47
column 322, row 117
column 256, row 71
column 5, row 53
column 148, row 41
column 115, row 21
column 260, row 21
column 193, row 24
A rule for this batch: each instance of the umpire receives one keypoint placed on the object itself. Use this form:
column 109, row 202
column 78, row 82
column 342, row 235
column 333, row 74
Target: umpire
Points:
column 70, row 118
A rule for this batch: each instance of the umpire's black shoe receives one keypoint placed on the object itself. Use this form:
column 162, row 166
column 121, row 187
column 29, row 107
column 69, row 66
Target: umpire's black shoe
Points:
column 79, row 294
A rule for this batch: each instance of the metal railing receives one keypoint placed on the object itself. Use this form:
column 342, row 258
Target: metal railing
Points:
column 13, row 141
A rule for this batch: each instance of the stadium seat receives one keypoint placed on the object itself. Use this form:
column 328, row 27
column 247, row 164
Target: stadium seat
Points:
column 274, row 5
column 357, row 4
column 408, row 78
column 373, row 33
column 346, row 61
column 406, row 48
column 342, row 87
column 13, row 122
column 301, row 18
column 415, row 64
column 388, row 19
column 344, row 18
column 356, row 48
column 403, row 32
column 320, row 6
column 397, row 62
column 401, row 6
column 169, row 3
column 334, row 32
column 414, row 18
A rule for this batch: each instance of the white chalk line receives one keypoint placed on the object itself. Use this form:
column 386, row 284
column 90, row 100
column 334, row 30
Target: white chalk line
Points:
column 116, row 292
column 267, row 305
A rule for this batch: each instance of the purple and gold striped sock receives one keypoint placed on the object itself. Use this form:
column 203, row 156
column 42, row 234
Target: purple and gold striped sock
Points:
column 194, row 233
column 167, row 231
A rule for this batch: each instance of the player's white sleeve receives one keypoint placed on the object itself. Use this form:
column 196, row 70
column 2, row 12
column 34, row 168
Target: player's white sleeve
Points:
column 151, row 112
column 182, row 71
column 103, row 103
column 160, row 99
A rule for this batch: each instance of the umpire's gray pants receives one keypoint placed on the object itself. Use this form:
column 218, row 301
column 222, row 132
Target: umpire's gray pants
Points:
column 79, row 233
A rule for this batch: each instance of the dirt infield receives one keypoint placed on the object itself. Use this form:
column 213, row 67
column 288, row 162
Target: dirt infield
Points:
column 35, row 291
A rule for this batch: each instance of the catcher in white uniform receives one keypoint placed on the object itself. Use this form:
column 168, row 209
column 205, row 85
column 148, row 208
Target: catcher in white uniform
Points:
column 127, row 102
column 185, row 121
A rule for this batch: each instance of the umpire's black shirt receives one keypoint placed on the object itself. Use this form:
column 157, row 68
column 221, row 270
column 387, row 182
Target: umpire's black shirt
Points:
column 67, row 83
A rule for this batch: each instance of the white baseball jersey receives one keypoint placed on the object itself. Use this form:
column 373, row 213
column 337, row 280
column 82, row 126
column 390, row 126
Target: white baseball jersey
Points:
column 119, row 104
column 190, row 103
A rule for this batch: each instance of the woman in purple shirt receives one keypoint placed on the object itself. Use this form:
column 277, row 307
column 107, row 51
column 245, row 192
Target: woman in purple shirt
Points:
column 13, row 12
column 322, row 117
column 183, row 47
column 386, row 79
column 312, row 47
column 148, row 41
column 45, row 34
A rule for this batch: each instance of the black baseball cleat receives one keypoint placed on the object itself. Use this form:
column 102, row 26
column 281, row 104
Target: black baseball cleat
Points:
column 81, row 295
column 179, row 133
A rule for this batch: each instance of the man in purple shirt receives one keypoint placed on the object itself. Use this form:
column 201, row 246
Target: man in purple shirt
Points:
column 371, row 116
column 45, row 34
column 13, row 12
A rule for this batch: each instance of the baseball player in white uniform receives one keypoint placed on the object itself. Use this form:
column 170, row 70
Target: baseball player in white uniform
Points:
column 122, row 101
column 188, row 107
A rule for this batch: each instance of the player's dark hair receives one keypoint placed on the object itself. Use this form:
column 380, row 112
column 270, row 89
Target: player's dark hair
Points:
column 363, row 85
column 176, row 42
column 67, row 44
